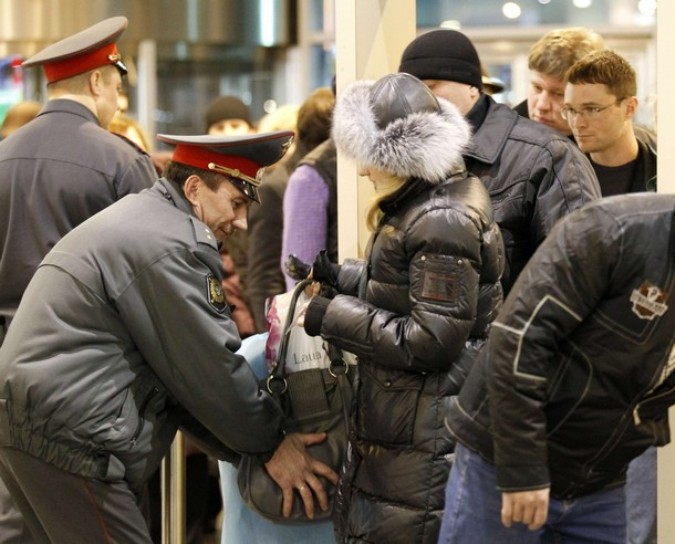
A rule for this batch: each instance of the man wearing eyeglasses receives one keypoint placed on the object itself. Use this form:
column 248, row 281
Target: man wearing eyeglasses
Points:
column 600, row 104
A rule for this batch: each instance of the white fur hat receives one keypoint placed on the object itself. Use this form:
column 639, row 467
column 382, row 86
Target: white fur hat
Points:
column 396, row 124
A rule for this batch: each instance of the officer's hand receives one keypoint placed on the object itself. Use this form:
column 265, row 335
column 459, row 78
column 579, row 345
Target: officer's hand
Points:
column 291, row 467
column 527, row 507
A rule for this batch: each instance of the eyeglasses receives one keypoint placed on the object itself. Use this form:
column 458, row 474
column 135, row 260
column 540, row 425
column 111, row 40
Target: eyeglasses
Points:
column 588, row 112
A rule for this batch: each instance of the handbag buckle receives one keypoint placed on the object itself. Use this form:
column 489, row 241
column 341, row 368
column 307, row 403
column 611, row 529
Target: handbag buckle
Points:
column 273, row 383
column 338, row 366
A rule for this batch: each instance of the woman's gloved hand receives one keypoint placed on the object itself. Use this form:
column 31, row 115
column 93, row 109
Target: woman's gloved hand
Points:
column 324, row 270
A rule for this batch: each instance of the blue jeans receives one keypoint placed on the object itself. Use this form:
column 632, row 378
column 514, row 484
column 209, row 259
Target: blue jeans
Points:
column 473, row 511
column 641, row 499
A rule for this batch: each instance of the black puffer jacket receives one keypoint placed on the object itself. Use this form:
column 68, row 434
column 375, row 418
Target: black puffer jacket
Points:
column 426, row 296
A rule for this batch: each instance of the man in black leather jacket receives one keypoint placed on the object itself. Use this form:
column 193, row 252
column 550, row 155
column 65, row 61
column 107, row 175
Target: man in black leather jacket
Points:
column 534, row 175
column 574, row 382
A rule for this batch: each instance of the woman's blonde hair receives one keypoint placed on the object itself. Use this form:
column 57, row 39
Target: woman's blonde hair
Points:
column 384, row 189
column 131, row 129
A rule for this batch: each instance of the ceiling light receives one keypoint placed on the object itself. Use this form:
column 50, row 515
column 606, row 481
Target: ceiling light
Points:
column 511, row 10
column 647, row 7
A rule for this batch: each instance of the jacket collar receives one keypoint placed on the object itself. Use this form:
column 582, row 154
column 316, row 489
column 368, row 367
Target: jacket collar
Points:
column 492, row 124
column 64, row 105
column 413, row 188
column 168, row 191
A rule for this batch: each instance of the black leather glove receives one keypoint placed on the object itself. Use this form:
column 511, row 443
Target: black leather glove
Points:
column 297, row 269
column 325, row 271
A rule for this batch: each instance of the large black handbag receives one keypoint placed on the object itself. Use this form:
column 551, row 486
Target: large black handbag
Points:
column 314, row 400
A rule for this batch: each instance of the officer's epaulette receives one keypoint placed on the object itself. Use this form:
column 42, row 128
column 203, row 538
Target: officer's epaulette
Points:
column 204, row 235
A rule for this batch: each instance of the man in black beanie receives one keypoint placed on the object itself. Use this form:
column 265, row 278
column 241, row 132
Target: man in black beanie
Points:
column 534, row 175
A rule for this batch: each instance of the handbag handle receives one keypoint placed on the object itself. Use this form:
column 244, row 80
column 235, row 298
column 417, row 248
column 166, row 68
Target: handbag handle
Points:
column 276, row 382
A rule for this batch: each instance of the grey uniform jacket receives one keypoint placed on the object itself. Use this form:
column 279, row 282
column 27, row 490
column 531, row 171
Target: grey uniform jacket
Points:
column 55, row 172
column 122, row 327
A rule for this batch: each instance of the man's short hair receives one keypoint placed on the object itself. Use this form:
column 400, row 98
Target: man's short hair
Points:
column 559, row 49
column 605, row 67
column 177, row 173
column 79, row 84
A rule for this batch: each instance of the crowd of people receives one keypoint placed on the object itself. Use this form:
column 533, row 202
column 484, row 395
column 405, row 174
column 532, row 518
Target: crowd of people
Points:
column 510, row 318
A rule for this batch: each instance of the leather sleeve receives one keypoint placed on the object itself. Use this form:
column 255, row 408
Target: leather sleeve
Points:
column 554, row 294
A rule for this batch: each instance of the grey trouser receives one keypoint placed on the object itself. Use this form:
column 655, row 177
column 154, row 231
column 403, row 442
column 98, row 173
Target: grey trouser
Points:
column 59, row 507
column 12, row 528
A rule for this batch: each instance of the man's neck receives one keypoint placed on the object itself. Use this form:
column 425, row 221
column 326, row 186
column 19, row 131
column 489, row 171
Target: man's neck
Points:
column 87, row 101
column 623, row 151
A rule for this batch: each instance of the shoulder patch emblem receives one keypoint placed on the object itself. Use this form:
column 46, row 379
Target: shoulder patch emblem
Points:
column 214, row 292
column 649, row 301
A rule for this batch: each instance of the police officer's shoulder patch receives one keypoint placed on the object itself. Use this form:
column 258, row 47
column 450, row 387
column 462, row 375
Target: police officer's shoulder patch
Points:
column 214, row 293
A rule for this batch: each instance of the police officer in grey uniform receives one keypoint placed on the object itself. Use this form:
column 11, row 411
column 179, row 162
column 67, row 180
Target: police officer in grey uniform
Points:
column 60, row 169
column 65, row 166
column 123, row 336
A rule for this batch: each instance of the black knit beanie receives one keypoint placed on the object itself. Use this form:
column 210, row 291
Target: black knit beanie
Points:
column 445, row 55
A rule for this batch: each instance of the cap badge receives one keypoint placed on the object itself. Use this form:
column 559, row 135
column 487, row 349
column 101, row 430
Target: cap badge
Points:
column 236, row 173
column 649, row 301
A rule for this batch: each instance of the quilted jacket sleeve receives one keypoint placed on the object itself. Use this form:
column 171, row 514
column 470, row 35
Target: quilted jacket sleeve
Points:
column 421, row 318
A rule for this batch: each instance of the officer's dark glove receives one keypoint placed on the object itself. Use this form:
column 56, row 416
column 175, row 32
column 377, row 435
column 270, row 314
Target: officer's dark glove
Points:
column 297, row 269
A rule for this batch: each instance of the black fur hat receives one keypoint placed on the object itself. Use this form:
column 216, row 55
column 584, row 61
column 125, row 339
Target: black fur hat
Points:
column 396, row 124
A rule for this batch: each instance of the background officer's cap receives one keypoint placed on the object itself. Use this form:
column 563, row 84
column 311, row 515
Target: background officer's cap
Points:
column 240, row 158
column 91, row 48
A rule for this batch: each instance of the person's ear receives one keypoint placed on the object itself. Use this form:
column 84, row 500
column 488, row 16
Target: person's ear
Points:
column 631, row 106
column 191, row 189
column 95, row 83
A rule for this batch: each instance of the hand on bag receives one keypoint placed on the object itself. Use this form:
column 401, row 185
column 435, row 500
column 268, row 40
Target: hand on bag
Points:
column 291, row 467
column 527, row 507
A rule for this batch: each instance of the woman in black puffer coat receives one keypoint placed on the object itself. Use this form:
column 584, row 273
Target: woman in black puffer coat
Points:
column 415, row 312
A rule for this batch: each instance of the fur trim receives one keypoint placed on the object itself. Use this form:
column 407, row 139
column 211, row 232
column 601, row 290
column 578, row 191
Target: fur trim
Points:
column 423, row 145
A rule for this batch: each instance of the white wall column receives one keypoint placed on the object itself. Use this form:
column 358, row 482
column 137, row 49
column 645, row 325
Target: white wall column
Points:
column 665, row 107
column 147, row 86
column 370, row 37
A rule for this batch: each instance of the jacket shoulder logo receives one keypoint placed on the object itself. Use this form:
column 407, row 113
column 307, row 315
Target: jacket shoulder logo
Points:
column 649, row 301
column 214, row 292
